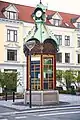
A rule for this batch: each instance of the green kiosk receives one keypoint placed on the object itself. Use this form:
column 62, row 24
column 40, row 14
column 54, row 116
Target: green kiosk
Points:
column 40, row 49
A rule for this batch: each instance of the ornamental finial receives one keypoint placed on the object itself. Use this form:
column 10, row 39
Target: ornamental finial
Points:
column 40, row 2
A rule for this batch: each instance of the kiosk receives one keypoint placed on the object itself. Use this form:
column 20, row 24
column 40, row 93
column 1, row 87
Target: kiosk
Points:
column 41, row 61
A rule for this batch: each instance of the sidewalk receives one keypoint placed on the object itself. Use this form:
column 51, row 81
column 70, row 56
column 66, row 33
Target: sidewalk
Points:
column 65, row 100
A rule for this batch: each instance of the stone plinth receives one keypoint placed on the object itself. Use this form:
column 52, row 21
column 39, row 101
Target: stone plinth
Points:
column 42, row 97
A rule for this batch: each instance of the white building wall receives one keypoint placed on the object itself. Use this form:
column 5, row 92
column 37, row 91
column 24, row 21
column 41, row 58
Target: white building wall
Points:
column 72, row 49
column 20, row 65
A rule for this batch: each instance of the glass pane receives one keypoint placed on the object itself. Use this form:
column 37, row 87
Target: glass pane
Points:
column 12, row 35
column 35, row 74
column 32, row 67
column 48, row 61
column 32, row 74
column 51, row 84
column 48, row 73
column 37, row 67
column 46, row 86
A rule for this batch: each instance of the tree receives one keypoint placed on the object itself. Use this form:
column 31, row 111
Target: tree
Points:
column 2, row 80
column 9, row 80
column 69, row 77
column 59, row 76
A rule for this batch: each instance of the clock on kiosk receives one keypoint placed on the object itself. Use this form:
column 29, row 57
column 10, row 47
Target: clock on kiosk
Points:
column 38, row 13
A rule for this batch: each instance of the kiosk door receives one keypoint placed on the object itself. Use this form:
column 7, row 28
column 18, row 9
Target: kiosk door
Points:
column 35, row 74
column 48, row 73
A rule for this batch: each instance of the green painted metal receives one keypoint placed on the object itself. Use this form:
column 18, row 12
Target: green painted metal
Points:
column 41, row 31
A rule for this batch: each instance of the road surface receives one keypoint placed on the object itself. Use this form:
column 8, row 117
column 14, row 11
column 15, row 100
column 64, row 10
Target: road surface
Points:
column 66, row 113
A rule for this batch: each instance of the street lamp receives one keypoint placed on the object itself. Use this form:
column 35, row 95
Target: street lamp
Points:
column 30, row 45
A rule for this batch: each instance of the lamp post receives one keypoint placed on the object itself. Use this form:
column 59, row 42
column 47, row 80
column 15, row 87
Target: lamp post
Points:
column 30, row 45
column 5, row 90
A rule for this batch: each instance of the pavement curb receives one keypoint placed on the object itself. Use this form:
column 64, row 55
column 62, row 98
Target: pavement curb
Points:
column 40, row 110
column 19, row 108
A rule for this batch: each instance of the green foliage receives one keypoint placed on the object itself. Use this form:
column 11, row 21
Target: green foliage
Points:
column 65, row 92
column 68, row 92
column 69, row 77
column 11, row 80
column 8, row 80
column 59, row 75
column 2, row 80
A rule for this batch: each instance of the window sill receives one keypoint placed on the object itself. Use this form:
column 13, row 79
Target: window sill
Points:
column 13, row 41
column 11, row 61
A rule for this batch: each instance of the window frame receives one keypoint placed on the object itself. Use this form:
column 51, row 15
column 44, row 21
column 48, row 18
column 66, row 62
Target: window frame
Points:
column 11, row 15
column 59, row 38
column 78, row 41
column 48, row 76
column 67, row 40
column 9, row 55
column 78, row 58
column 14, row 35
column 78, row 25
column 59, row 55
column 56, row 22
column 67, row 57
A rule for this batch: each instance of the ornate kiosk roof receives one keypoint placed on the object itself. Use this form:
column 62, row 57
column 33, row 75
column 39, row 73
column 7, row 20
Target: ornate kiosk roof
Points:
column 41, row 33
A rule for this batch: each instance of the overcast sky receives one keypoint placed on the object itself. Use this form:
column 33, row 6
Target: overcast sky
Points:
column 69, row 6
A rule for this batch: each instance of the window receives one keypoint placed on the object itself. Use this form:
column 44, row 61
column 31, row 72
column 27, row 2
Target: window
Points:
column 48, row 73
column 67, row 40
column 56, row 22
column 59, row 57
column 11, row 35
column 35, row 75
column 11, row 15
column 59, row 38
column 12, row 55
column 78, row 41
column 78, row 58
column 67, row 57
column 78, row 25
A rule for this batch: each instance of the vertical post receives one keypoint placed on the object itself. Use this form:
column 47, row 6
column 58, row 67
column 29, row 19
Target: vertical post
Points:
column 41, row 68
column 5, row 96
column 54, row 85
column 30, row 103
column 13, row 96
column 30, row 45
column 27, row 73
column 5, row 90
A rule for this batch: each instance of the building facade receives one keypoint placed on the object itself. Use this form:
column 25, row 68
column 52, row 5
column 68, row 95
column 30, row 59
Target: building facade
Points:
column 16, row 23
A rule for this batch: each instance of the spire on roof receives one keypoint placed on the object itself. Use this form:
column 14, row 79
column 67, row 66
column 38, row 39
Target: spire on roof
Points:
column 40, row 2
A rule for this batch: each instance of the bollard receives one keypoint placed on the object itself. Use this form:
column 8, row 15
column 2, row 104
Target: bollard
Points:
column 5, row 96
column 25, row 98
column 13, row 96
